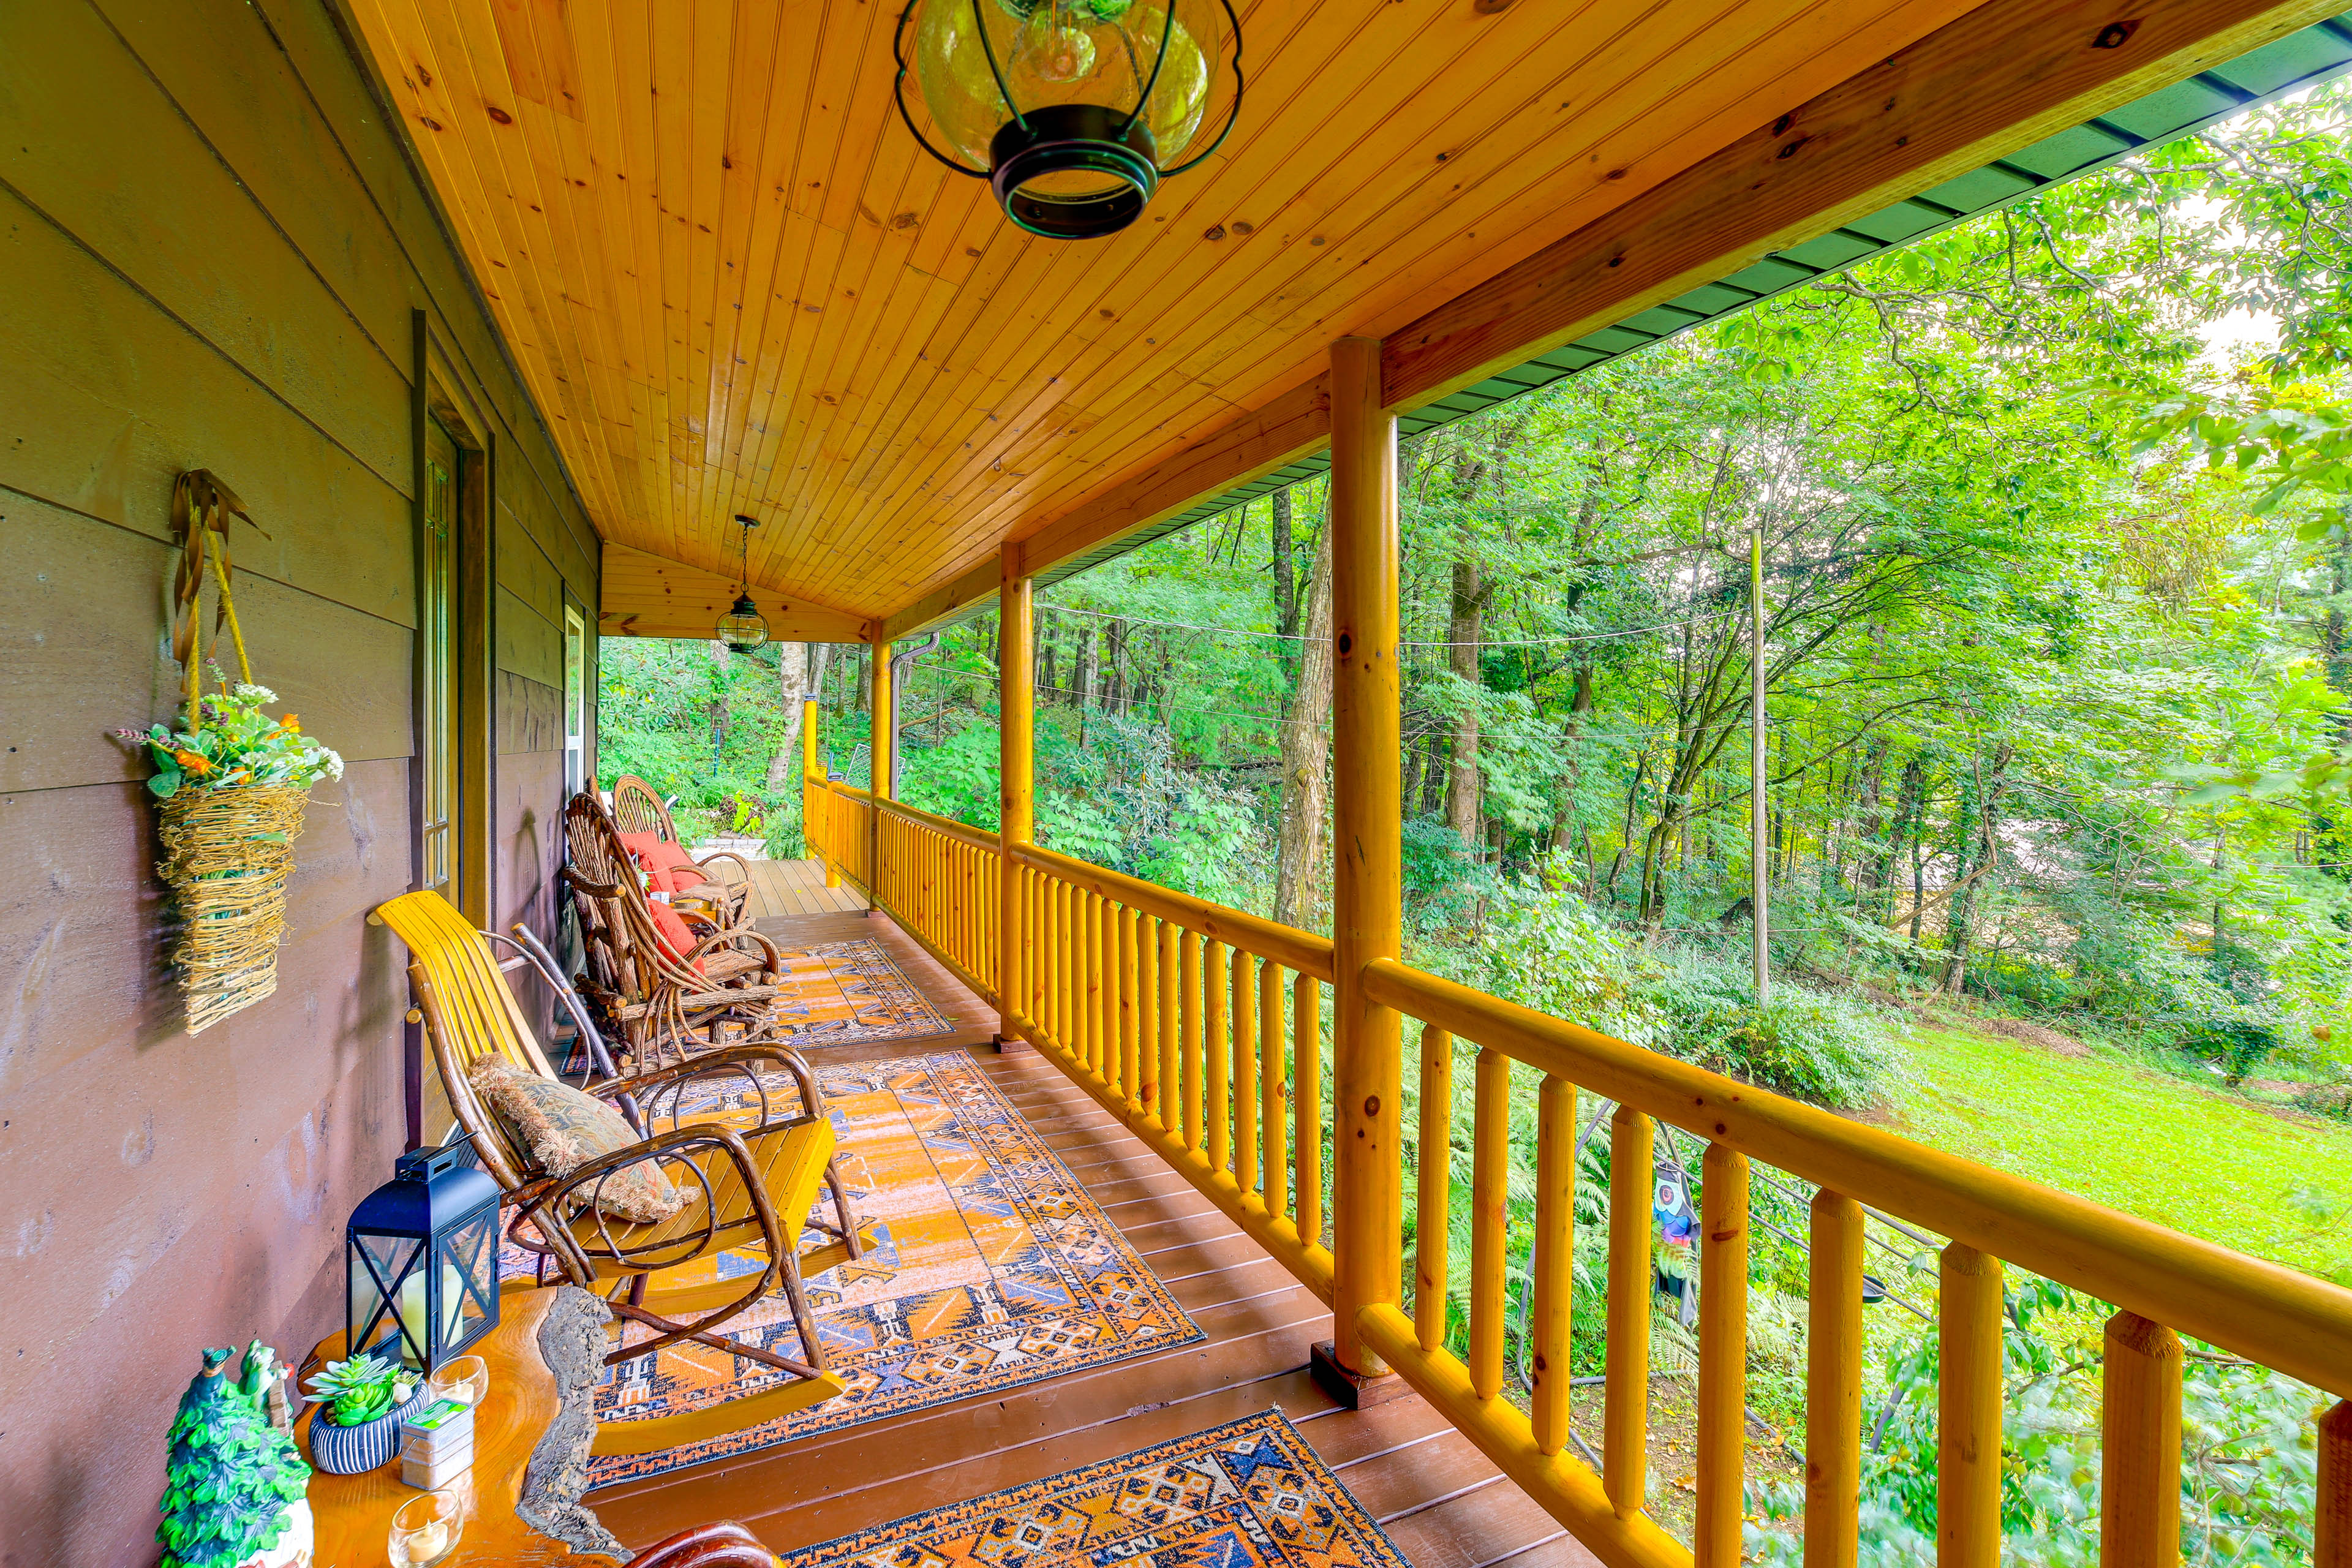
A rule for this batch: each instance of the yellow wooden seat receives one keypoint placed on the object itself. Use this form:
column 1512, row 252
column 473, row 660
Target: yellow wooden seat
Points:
column 750, row 1178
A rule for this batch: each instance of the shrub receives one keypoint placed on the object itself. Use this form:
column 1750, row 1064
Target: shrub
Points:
column 1443, row 884
column 2238, row 1042
column 1546, row 948
column 1812, row 1044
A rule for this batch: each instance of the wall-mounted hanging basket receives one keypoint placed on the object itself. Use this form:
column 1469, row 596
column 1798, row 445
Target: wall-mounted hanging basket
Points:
column 225, row 855
column 233, row 783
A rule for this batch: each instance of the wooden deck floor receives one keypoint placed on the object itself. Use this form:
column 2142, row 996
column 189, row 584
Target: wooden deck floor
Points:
column 1441, row 1502
column 797, row 888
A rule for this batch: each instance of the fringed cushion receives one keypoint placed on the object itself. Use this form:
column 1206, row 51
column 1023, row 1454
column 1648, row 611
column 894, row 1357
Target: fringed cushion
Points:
column 564, row 1130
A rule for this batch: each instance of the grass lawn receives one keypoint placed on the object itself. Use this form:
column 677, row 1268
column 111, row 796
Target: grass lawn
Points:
column 2140, row 1141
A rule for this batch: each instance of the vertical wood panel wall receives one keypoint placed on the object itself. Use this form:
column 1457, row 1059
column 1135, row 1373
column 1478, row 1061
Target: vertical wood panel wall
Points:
column 210, row 249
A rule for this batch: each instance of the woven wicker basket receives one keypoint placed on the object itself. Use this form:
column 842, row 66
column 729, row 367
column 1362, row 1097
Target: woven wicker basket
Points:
column 225, row 855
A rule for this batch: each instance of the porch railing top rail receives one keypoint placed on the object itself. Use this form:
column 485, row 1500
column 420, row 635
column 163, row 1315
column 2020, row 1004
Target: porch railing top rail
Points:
column 962, row 831
column 2282, row 1319
column 1301, row 951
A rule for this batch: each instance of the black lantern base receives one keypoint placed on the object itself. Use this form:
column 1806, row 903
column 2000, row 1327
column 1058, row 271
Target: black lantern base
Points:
column 1074, row 138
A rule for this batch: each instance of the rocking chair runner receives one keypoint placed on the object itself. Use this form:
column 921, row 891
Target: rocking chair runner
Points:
column 660, row 996
column 748, row 1187
column 637, row 808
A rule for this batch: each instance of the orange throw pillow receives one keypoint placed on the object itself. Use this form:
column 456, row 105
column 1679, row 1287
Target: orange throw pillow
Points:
column 668, row 866
column 677, row 938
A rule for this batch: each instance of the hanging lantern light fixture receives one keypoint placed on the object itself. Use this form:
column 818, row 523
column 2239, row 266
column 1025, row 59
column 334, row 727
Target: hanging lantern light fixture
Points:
column 1072, row 108
column 742, row 628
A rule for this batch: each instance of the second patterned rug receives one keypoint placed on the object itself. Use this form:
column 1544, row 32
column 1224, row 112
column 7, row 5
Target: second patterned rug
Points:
column 1249, row 1494
column 990, row 1267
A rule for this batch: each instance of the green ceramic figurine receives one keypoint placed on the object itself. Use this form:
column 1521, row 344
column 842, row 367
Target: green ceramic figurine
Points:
column 234, row 1493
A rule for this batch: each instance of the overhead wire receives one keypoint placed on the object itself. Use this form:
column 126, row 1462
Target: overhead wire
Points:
column 1294, row 637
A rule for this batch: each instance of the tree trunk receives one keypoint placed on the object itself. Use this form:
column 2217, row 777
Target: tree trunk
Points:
column 796, row 676
column 1977, row 838
column 1908, row 799
column 718, row 714
column 1286, row 585
column 1305, row 751
column 1563, row 809
column 1464, row 631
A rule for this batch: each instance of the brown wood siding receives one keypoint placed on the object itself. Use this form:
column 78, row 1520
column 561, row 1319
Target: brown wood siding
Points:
column 212, row 248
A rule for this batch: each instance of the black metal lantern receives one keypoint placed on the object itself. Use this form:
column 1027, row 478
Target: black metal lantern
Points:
column 742, row 628
column 1072, row 105
column 421, row 1260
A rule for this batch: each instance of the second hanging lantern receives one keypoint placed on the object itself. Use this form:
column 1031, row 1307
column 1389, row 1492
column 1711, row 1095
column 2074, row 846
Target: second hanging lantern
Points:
column 1075, row 109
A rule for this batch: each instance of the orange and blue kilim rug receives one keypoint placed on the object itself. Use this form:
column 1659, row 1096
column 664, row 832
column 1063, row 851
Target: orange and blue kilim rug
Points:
column 1249, row 1494
column 849, row 993
column 988, row 1267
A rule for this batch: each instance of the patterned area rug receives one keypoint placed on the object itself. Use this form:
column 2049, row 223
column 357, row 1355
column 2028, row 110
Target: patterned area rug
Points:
column 839, row 994
column 846, row 993
column 1249, row 1494
column 989, row 1269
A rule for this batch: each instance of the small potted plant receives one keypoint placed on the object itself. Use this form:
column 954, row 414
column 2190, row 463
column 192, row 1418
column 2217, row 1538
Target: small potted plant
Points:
column 361, row 1402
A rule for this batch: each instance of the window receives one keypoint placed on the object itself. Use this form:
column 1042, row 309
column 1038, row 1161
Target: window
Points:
column 575, row 700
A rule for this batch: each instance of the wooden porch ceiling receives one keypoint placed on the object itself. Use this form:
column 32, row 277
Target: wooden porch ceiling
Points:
column 735, row 285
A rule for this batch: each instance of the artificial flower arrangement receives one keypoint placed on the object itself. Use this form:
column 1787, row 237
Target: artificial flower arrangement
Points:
column 236, row 745
column 234, row 784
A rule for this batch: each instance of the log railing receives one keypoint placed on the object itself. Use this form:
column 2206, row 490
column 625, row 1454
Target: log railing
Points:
column 2163, row 1283
column 939, row 881
column 1203, row 1029
column 1200, row 1026
column 837, row 823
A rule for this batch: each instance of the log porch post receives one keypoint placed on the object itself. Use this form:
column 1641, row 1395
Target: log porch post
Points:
column 1016, row 814
column 1367, row 904
column 814, row 802
column 878, row 731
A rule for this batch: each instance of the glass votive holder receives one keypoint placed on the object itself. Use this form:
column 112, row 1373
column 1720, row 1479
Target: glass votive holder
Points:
column 426, row 1530
column 465, row 1379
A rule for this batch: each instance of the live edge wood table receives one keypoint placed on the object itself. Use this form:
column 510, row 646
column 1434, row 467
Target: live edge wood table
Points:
column 532, row 1433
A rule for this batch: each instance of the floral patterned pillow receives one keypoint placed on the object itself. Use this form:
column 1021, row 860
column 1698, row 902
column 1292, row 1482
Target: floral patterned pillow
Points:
column 565, row 1129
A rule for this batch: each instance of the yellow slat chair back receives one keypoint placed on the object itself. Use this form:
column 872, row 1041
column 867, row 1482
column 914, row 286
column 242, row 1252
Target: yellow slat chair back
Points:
column 471, row 1014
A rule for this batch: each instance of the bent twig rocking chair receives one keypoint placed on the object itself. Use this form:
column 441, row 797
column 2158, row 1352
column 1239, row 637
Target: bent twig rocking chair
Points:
column 662, row 998
column 637, row 808
column 748, row 1187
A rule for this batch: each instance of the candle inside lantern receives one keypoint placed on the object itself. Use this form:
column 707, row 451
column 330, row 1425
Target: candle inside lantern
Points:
column 415, row 1314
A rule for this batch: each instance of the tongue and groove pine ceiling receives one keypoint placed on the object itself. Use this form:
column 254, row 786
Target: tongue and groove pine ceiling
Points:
column 734, row 283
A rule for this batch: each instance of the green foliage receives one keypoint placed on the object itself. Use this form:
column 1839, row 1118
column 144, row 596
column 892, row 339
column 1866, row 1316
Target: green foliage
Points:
column 239, row 744
column 359, row 1390
column 2247, row 1487
column 229, row 1474
column 1546, row 948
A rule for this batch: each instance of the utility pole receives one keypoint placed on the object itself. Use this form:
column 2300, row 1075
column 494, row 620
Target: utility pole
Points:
column 1759, row 828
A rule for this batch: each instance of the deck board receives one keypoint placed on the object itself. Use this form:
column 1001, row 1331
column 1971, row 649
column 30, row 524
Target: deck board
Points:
column 781, row 888
column 1443, row 1504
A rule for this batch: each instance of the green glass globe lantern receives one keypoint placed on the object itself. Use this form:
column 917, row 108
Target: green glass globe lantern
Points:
column 1074, row 111
column 742, row 628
